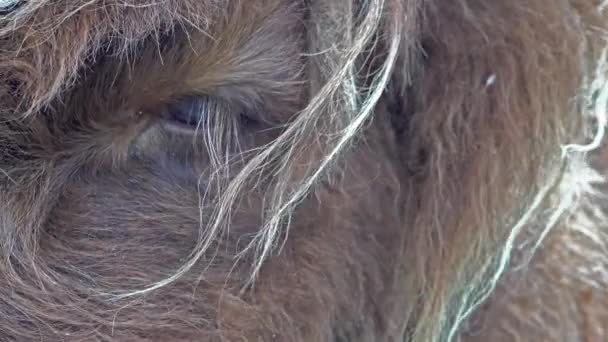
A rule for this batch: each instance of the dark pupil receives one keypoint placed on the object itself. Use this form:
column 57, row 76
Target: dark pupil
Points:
column 189, row 111
column 7, row 6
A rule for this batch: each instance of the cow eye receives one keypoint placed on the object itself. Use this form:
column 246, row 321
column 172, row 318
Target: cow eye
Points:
column 189, row 112
column 193, row 113
column 7, row 6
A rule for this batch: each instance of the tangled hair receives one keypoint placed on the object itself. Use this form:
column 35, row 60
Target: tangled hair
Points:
column 273, row 170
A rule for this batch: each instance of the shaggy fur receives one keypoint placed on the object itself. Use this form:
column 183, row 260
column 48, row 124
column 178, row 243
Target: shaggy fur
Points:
column 397, row 170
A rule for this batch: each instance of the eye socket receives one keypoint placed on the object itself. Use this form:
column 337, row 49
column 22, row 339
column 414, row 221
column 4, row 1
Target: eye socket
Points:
column 188, row 112
column 192, row 113
column 7, row 6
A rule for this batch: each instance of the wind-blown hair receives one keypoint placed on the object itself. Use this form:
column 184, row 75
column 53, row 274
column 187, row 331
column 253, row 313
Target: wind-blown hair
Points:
column 364, row 171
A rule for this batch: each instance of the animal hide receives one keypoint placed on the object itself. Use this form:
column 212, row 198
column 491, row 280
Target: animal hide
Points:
column 274, row 170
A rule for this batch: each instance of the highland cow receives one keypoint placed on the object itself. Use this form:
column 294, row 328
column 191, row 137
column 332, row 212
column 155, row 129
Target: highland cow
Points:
column 280, row 170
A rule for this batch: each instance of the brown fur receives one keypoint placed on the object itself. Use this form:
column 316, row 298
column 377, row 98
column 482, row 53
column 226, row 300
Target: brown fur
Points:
column 401, row 234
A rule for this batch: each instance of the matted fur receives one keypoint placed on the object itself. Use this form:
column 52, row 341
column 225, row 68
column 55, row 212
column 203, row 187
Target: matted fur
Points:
column 399, row 170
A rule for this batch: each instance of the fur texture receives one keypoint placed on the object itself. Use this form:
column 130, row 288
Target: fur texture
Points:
column 398, row 170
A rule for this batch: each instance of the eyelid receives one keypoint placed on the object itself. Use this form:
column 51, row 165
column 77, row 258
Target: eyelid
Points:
column 186, row 113
column 7, row 6
column 192, row 112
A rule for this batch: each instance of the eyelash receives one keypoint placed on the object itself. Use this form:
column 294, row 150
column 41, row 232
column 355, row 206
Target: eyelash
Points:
column 7, row 6
column 191, row 113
